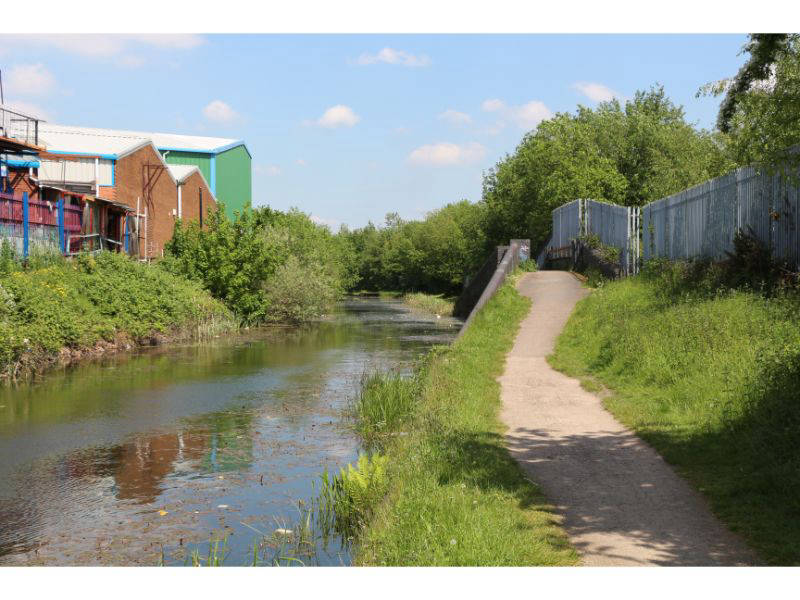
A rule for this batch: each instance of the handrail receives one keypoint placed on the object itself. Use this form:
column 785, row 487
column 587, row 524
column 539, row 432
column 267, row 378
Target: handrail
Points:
column 509, row 262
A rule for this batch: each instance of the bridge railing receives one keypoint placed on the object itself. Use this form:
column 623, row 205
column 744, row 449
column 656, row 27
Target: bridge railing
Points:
column 584, row 219
column 508, row 258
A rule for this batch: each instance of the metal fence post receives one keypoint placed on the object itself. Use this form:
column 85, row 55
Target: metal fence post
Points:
column 25, row 232
column 61, row 238
column 126, row 234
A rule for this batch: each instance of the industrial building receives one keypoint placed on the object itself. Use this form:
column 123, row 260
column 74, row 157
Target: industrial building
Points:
column 224, row 163
column 120, row 189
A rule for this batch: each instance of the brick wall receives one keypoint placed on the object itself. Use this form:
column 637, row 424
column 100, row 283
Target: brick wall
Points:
column 190, row 198
column 20, row 182
column 132, row 174
column 108, row 192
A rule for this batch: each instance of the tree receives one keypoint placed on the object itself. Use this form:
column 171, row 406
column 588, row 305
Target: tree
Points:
column 764, row 49
column 761, row 112
column 627, row 154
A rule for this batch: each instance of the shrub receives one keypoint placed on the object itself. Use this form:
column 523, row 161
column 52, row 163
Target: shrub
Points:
column 265, row 265
column 298, row 293
column 76, row 303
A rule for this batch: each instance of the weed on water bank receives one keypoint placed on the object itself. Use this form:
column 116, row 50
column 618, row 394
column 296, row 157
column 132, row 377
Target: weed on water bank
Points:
column 453, row 494
column 436, row 304
column 53, row 309
column 346, row 500
column 384, row 405
column 709, row 375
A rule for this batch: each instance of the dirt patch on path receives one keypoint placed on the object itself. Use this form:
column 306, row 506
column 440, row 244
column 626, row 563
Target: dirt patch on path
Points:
column 621, row 503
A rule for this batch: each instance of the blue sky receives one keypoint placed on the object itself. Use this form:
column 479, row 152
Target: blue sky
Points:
column 350, row 127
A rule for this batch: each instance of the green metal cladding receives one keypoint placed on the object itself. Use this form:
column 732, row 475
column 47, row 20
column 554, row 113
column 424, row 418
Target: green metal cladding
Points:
column 228, row 174
column 199, row 159
column 234, row 179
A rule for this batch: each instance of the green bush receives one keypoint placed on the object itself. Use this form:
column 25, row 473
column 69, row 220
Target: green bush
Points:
column 609, row 254
column 261, row 260
column 298, row 293
column 76, row 303
column 433, row 255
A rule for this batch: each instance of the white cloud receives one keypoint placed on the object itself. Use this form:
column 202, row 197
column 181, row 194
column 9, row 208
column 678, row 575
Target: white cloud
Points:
column 526, row 116
column 493, row 105
column 455, row 117
column 447, row 154
column 596, row 92
column 104, row 45
column 30, row 80
column 337, row 116
column 219, row 111
column 495, row 128
column 32, row 110
column 131, row 61
column 268, row 170
column 531, row 114
column 301, row 163
column 394, row 57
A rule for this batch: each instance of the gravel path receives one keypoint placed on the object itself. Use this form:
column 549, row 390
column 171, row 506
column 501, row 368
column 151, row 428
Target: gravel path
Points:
column 620, row 501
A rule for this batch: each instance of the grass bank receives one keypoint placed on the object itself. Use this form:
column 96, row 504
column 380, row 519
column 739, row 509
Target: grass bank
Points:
column 437, row 304
column 710, row 377
column 56, row 311
column 450, row 492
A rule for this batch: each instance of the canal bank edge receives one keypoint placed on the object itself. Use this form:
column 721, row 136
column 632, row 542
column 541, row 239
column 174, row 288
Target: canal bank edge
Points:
column 455, row 495
column 60, row 312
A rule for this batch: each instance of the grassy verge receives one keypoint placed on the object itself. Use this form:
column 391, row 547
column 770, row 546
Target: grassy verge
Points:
column 56, row 311
column 452, row 493
column 710, row 378
column 432, row 303
column 437, row 304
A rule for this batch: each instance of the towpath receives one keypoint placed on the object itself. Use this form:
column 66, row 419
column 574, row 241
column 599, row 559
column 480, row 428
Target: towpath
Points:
column 621, row 503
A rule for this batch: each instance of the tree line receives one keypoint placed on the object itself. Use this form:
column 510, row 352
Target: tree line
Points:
column 628, row 152
column 271, row 266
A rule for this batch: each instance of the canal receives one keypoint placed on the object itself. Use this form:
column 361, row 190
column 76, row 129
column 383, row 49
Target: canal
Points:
column 157, row 455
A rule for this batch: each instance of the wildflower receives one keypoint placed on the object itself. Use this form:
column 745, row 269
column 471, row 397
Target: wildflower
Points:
column 453, row 542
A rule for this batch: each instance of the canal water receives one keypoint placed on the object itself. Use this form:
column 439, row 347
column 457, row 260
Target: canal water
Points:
column 160, row 455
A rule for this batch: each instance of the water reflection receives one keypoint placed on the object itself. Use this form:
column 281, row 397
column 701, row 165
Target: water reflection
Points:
column 108, row 462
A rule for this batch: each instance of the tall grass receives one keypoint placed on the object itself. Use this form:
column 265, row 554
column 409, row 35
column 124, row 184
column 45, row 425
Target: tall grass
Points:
column 437, row 304
column 453, row 495
column 384, row 405
column 709, row 376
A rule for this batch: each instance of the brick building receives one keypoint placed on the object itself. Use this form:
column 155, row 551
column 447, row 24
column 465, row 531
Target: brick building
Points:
column 225, row 164
column 123, row 189
column 136, row 176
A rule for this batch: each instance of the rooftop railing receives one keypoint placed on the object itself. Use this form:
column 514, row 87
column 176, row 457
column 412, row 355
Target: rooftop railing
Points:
column 17, row 125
